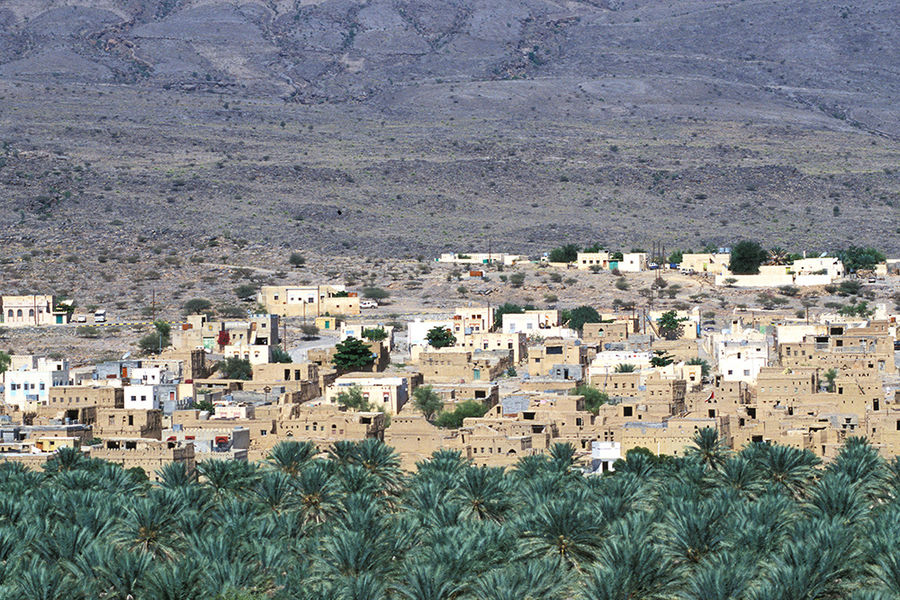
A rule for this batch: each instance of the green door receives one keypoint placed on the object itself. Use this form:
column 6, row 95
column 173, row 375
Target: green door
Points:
column 477, row 373
column 59, row 319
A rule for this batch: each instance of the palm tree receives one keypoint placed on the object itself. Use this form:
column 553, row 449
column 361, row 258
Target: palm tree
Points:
column 526, row 580
column 175, row 581
column 778, row 256
column 382, row 461
column 693, row 531
column 316, row 493
column 449, row 462
column 150, row 527
column 742, row 475
column 483, row 493
column 228, row 476
column 630, row 568
column 724, row 577
column 176, row 475
column 427, row 582
column 625, row 368
column 275, row 491
column 38, row 581
column 787, row 467
column 291, row 457
column 562, row 455
column 708, row 448
column 565, row 529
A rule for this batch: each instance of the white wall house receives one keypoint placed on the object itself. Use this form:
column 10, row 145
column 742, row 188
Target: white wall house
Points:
column 29, row 387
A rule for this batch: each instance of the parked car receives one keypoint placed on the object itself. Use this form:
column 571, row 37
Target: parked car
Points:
column 368, row 304
column 100, row 316
column 80, row 319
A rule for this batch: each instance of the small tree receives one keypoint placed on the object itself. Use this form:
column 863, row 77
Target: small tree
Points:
column 661, row 358
column 309, row 331
column 5, row 361
column 280, row 356
column 245, row 292
column 375, row 293
column 353, row 355
column 440, row 337
column 593, row 398
column 855, row 258
column 746, row 257
column 830, row 376
column 505, row 309
column 454, row 419
column 517, row 279
column 577, row 317
column 625, row 368
column 427, row 401
column 670, row 326
column 376, row 334
column 296, row 260
column 353, row 399
column 197, row 306
column 564, row 254
column 153, row 343
column 236, row 368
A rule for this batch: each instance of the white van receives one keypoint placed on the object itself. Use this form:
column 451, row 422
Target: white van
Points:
column 100, row 316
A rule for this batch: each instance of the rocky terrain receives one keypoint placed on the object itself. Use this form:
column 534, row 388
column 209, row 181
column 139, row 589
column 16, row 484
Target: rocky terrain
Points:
column 143, row 143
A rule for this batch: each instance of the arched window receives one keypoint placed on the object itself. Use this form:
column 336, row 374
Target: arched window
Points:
column 30, row 312
column 10, row 313
column 19, row 313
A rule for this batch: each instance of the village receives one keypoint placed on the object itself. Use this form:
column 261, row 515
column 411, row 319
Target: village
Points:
column 494, row 380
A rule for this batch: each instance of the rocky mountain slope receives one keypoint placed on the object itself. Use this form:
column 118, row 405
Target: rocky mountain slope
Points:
column 413, row 126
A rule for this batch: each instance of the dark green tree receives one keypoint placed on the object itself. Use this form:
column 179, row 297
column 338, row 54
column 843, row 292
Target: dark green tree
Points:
column 280, row 356
column 234, row 367
column 427, row 401
column 746, row 257
column 375, row 334
column 196, row 306
column 661, row 358
column 577, row 317
column 670, row 325
column 593, row 398
column 353, row 355
column 564, row 254
column 856, row 258
column 353, row 398
column 440, row 337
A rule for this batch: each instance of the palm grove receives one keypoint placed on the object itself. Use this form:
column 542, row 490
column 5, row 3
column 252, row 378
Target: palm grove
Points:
column 765, row 523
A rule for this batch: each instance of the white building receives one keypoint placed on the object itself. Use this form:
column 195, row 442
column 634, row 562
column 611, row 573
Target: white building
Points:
column 149, row 397
column 382, row 391
column 603, row 455
column 417, row 331
column 740, row 353
column 356, row 330
column 29, row 385
column 530, row 321
column 606, row 362
column 480, row 258
column 632, row 262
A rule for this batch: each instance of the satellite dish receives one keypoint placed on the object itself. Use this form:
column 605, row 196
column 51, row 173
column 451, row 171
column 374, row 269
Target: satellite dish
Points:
column 126, row 355
column 823, row 255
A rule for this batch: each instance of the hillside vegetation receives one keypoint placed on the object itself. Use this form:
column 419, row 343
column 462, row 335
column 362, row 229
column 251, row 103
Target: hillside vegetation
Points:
column 766, row 523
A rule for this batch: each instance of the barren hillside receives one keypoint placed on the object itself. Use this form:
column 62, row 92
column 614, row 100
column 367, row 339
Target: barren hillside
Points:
column 409, row 127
